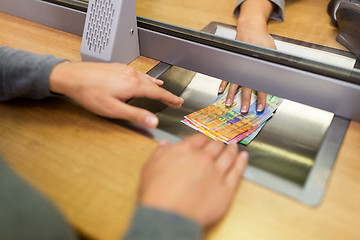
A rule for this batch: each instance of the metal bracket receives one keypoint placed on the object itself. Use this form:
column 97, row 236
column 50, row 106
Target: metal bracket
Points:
column 110, row 32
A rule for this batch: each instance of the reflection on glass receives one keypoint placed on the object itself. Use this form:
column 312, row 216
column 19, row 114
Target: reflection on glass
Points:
column 306, row 22
column 334, row 57
column 306, row 33
column 75, row 4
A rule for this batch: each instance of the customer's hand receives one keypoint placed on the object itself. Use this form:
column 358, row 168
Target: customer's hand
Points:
column 196, row 178
column 251, row 28
column 103, row 88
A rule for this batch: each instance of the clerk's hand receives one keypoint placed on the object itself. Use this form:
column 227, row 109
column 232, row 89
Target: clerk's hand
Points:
column 196, row 178
column 103, row 88
column 251, row 28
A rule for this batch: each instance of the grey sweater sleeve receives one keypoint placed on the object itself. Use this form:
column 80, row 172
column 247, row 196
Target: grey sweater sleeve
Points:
column 25, row 74
column 277, row 14
column 149, row 223
column 25, row 213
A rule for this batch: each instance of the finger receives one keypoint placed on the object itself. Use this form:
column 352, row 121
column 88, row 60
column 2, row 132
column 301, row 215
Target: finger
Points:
column 198, row 140
column 162, row 146
column 237, row 170
column 155, row 158
column 222, row 86
column 245, row 99
column 140, row 116
column 261, row 101
column 214, row 148
column 231, row 94
column 157, row 81
column 227, row 158
column 164, row 142
column 149, row 87
column 147, row 77
column 157, row 93
column 131, row 72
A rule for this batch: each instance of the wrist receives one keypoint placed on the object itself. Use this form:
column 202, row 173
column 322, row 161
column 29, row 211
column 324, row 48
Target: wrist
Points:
column 59, row 77
column 255, row 10
column 251, row 27
column 253, row 18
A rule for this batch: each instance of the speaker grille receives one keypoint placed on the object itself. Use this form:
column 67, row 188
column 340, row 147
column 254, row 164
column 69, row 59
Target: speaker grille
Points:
column 100, row 24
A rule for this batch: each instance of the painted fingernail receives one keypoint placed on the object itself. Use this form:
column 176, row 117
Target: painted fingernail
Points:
column 228, row 103
column 220, row 90
column 259, row 108
column 151, row 121
column 244, row 109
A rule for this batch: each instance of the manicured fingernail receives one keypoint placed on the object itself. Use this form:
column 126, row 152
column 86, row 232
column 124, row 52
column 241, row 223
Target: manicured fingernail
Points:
column 151, row 121
column 244, row 109
column 160, row 81
column 259, row 108
column 220, row 90
column 228, row 103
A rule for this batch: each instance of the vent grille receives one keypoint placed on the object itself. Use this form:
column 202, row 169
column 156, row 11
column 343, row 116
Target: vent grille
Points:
column 99, row 26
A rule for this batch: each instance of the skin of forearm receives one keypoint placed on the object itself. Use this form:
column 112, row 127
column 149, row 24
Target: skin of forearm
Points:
column 254, row 15
column 252, row 28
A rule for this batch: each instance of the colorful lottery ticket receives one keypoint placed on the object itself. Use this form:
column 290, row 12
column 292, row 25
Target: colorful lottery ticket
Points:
column 228, row 124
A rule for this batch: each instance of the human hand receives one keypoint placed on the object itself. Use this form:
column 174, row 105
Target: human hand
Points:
column 196, row 178
column 103, row 88
column 251, row 28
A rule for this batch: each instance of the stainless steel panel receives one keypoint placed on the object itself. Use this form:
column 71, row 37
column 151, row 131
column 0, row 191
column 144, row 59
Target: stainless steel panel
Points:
column 298, row 85
column 293, row 154
column 52, row 15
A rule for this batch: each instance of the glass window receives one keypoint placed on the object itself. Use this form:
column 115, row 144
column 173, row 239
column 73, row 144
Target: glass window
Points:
column 306, row 39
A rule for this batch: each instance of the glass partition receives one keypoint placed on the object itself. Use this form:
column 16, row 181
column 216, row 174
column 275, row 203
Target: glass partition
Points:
column 305, row 40
column 75, row 4
column 307, row 31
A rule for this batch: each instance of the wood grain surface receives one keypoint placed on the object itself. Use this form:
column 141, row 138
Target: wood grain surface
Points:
column 90, row 166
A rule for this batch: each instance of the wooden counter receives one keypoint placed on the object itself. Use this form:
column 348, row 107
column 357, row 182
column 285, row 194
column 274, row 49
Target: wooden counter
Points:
column 89, row 167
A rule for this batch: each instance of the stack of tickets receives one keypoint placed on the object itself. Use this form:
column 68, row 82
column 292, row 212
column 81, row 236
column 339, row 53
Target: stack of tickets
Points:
column 228, row 124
